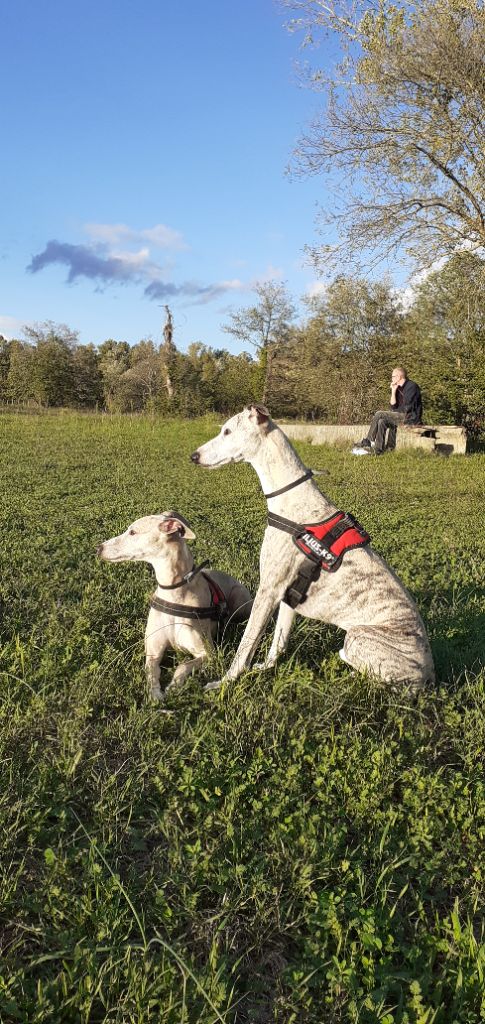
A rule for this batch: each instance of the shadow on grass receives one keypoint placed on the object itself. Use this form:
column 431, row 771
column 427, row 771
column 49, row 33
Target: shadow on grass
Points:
column 455, row 620
column 455, row 623
column 456, row 627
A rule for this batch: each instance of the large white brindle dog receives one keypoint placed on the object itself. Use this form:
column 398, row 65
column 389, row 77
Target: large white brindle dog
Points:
column 318, row 561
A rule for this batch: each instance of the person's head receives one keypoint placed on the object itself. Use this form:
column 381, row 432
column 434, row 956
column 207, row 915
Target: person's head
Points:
column 399, row 375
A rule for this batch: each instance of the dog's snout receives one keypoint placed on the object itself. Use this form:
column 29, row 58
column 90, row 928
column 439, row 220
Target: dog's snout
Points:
column 99, row 549
column 195, row 457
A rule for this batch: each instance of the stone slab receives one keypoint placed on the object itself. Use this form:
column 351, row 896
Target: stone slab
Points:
column 446, row 440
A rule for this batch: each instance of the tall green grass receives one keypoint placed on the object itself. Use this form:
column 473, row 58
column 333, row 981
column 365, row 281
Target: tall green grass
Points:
column 306, row 846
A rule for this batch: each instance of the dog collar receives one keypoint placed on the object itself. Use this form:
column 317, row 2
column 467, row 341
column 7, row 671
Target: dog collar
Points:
column 282, row 490
column 185, row 579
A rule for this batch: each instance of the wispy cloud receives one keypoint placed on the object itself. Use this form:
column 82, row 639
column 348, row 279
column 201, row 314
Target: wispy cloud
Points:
column 97, row 263
column 11, row 326
column 160, row 236
column 272, row 274
column 316, row 290
column 407, row 294
column 86, row 261
column 200, row 294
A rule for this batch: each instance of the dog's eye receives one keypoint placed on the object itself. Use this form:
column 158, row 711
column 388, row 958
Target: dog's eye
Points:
column 226, row 432
column 132, row 533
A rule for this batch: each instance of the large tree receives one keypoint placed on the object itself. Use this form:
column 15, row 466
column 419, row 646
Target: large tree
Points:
column 5, row 350
column 266, row 326
column 87, row 377
column 52, row 374
column 444, row 337
column 337, row 361
column 114, row 361
column 403, row 127
column 20, row 377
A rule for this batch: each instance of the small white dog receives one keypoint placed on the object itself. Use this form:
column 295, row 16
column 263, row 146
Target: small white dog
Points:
column 203, row 599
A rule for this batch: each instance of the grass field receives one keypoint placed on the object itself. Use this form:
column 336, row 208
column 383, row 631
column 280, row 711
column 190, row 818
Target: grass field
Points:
column 305, row 847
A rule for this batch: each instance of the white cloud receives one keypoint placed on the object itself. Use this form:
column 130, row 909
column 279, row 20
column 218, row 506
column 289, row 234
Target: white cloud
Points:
column 160, row 236
column 316, row 290
column 11, row 326
column 235, row 285
column 164, row 238
column 272, row 274
column 136, row 259
column 407, row 294
column 139, row 261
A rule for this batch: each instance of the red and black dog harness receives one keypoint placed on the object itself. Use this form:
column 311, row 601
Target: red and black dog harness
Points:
column 324, row 545
column 217, row 610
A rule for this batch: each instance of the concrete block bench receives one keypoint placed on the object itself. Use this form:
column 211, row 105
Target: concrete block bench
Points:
column 442, row 439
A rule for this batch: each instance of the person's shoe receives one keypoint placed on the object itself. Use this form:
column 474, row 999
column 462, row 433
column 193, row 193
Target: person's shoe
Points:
column 363, row 447
column 378, row 451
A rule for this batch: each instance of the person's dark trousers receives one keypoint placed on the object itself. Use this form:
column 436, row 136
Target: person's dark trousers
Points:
column 384, row 421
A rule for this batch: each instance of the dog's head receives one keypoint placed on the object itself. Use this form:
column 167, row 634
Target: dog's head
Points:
column 146, row 538
column 239, row 439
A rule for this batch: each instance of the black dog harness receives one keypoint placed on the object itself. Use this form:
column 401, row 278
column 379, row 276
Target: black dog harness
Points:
column 217, row 609
column 324, row 545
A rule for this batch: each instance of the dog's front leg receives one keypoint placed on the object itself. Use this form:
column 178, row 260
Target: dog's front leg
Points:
column 156, row 643
column 188, row 639
column 152, row 670
column 284, row 623
column 264, row 605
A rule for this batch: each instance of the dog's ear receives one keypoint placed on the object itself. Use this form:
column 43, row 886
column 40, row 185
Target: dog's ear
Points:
column 258, row 412
column 175, row 523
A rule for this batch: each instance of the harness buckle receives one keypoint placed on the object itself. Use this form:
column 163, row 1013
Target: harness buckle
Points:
column 293, row 597
column 297, row 593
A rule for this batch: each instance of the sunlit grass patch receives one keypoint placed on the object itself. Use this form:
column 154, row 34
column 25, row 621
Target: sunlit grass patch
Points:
column 304, row 845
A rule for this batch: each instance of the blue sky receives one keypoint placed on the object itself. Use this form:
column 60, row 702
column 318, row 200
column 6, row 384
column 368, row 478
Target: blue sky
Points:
column 143, row 163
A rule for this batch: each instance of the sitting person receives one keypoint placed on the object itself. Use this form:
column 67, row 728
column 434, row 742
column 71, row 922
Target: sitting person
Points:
column 405, row 409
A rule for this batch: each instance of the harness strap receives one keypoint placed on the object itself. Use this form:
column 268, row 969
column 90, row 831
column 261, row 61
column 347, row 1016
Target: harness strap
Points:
column 283, row 524
column 216, row 610
column 323, row 544
column 185, row 579
column 282, row 490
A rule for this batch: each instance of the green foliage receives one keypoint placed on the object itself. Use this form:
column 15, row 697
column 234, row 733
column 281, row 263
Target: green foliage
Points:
column 266, row 326
column 304, row 847
column 339, row 362
column 445, row 333
column 335, row 366
column 400, row 129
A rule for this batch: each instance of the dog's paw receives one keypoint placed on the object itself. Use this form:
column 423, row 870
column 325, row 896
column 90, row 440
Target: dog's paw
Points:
column 263, row 666
column 156, row 696
column 216, row 685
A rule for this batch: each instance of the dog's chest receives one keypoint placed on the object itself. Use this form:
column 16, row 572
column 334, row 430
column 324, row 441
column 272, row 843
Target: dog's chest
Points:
column 171, row 630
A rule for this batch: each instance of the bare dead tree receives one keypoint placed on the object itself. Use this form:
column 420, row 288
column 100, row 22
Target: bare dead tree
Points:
column 167, row 352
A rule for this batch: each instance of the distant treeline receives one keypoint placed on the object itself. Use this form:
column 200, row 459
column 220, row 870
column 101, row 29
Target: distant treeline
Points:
column 333, row 366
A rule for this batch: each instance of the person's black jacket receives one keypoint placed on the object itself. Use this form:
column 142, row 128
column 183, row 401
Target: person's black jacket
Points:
column 408, row 401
